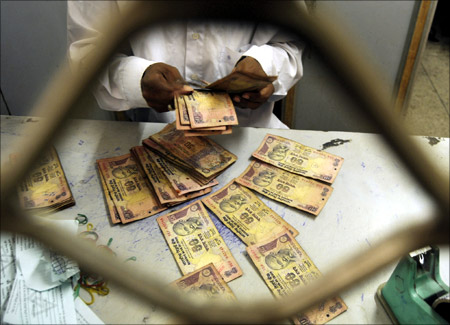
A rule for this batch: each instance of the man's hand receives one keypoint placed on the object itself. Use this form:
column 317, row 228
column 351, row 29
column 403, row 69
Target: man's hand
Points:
column 256, row 98
column 160, row 83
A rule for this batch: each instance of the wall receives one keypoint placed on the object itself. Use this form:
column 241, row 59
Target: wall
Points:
column 383, row 29
column 33, row 47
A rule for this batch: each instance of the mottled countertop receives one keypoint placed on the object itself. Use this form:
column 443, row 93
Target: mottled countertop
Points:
column 373, row 196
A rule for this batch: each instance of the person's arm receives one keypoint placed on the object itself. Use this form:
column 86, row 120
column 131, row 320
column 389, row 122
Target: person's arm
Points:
column 272, row 53
column 128, row 81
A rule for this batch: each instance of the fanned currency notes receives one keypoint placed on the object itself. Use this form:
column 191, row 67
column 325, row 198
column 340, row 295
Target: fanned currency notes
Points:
column 45, row 188
column 285, row 266
column 133, row 198
column 181, row 181
column 205, row 284
column 298, row 159
column 166, row 194
column 199, row 155
column 204, row 113
column 246, row 215
column 291, row 189
column 239, row 82
column 195, row 242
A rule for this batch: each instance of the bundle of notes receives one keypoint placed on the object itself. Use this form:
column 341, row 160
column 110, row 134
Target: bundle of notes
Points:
column 283, row 170
column 167, row 170
column 45, row 188
column 205, row 113
column 200, row 157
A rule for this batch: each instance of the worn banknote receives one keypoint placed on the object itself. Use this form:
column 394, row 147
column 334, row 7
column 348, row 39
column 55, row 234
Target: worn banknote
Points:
column 195, row 242
column 162, row 187
column 299, row 159
column 132, row 196
column 202, row 154
column 208, row 109
column 285, row 266
column 45, row 187
column 181, row 181
column 239, row 82
column 246, row 215
column 113, row 213
column 205, row 284
column 291, row 189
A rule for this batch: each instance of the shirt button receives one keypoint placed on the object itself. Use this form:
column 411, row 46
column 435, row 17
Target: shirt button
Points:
column 194, row 76
column 195, row 36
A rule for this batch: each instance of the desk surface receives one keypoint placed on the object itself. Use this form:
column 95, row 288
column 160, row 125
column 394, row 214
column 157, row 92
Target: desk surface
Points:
column 373, row 196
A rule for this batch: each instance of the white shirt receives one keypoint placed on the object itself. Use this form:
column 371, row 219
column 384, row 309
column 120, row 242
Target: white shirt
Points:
column 199, row 50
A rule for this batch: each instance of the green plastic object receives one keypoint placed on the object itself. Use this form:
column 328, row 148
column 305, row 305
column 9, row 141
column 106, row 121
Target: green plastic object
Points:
column 413, row 287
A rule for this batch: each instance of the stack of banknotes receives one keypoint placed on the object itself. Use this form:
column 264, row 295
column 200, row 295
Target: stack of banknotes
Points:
column 205, row 113
column 45, row 188
column 210, row 111
column 207, row 264
column 287, row 171
column 167, row 170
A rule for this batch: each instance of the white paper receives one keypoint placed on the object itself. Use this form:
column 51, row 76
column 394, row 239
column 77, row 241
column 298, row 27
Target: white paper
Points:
column 85, row 315
column 28, row 306
column 43, row 269
column 8, row 267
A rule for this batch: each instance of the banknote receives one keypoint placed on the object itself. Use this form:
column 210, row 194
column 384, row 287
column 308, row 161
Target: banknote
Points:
column 202, row 154
column 162, row 187
column 239, row 82
column 245, row 214
column 113, row 213
column 207, row 109
column 291, row 189
column 45, row 188
column 299, row 159
column 201, row 132
column 180, row 106
column 129, row 190
column 285, row 266
column 205, row 284
column 181, row 181
column 195, row 242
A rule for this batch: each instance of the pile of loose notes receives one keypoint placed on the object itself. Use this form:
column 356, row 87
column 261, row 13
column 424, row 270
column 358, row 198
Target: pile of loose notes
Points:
column 167, row 170
column 45, row 188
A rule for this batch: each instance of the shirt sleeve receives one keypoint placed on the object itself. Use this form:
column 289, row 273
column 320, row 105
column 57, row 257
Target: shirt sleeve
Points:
column 118, row 86
column 280, row 54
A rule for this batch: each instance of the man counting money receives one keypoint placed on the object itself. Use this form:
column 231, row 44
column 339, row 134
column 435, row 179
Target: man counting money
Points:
column 165, row 58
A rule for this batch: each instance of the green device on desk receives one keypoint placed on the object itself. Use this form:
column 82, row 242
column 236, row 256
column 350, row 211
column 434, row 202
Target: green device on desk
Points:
column 415, row 292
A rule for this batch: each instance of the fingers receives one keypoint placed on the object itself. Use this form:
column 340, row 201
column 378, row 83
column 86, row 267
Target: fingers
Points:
column 255, row 99
column 160, row 83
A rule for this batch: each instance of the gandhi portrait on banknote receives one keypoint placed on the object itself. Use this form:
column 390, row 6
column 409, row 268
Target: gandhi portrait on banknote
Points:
column 124, row 171
column 281, row 259
column 233, row 203
column 187, row 227
column 264, row 178
column 278, row 152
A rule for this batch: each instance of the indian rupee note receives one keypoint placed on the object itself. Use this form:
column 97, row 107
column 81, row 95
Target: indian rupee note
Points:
column 239, row 82
column 285, row 267
column 129, row 190
column 202, row 154
column 245, row 214
column 205, row 284
column 181, row 181
column 113, row 213
column 195, row 242
column 207, row 109
column 298, row 159
column 45, row 187
column 291, row 189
